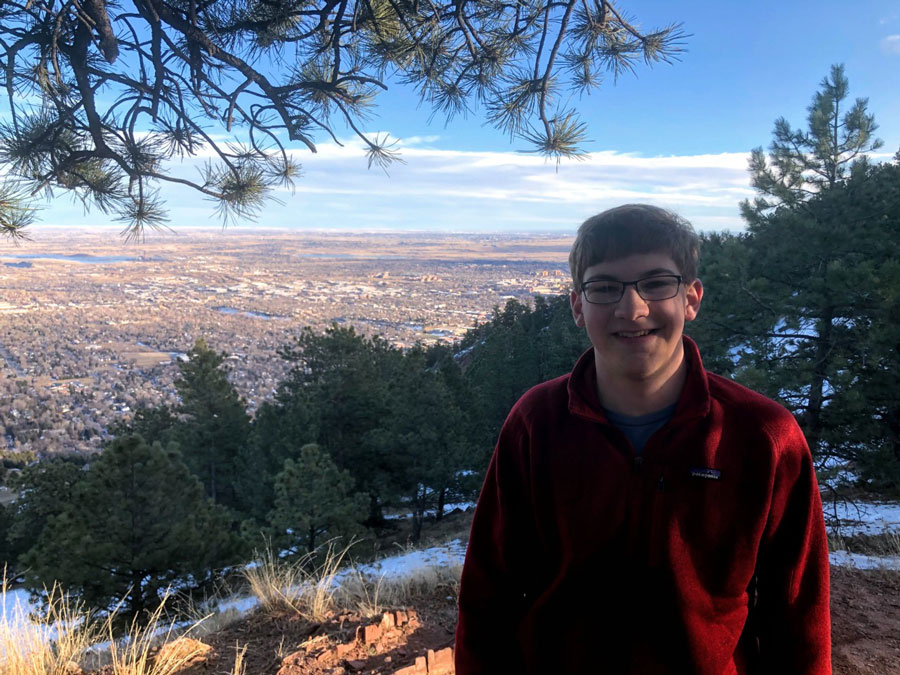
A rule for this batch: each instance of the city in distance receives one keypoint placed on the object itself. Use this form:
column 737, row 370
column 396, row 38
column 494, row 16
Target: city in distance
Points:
column 91, row 328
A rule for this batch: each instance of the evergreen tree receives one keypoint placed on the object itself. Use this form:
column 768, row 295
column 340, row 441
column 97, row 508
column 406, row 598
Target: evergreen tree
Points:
column 136, row 523
column 519, row 348
column 422, row 441
column 214, row 427
column 151, row 424
column 799, row 303
column 804, row 163
column 45, row 488
column 342, row 378
column 278, row 429
column 315, row 500
column 7, row 559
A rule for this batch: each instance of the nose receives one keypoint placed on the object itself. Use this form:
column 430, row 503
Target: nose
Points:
column 631, row 305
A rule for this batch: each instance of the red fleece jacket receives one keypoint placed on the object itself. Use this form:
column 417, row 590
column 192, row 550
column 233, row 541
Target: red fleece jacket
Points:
column 706, row 554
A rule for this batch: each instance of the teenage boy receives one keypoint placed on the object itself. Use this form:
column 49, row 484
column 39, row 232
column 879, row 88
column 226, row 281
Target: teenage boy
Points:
column 639, row 514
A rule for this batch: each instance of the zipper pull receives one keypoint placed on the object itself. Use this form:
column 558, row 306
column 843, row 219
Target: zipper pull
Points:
column 661, row 484
column 638, row 463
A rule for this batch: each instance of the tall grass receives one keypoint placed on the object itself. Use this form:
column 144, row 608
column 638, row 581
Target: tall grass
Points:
column 64, row 637
column 141, row 652
column 305, row 586
column 370, row 595
column 315, row 592
column 46, row 644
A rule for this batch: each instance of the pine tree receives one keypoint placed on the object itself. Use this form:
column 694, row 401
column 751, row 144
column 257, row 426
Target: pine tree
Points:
column 44, row 490
column 315, row 500
column 136, row 523
column 343, row 378
column 806, row 291
column 214, row 427
column 804, row 163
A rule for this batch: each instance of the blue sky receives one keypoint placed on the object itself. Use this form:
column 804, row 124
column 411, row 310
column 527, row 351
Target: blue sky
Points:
column 674, row 135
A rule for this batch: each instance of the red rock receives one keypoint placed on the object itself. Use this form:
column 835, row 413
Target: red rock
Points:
column 371, row 633
column 356, row 666
column 400, row 617
column 342, row 650
column 294, row 659
column 440, row 662
column 418, row 668
column 387, row 621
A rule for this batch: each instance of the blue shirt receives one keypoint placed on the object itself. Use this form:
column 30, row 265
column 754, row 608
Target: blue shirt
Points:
column 638, row 429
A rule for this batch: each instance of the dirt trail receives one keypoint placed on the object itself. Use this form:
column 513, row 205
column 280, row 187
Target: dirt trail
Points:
column 865, row 628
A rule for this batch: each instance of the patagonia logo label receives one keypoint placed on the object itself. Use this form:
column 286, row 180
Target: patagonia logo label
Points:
column 704, row 472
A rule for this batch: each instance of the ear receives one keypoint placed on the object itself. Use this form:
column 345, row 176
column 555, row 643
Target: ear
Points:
column 693, row 294
column 575, row 300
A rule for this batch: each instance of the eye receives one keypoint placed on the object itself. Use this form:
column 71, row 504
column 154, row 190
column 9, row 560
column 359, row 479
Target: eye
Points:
column 603, row 287
column 656, row 284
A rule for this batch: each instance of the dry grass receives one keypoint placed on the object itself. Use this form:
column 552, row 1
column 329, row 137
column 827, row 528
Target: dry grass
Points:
column 885, row 544
column 315, row 594
column 150, row 648
column 46, row 644
column 239, row 666
column 370, row 596
column 65, row 637
column 301, row 586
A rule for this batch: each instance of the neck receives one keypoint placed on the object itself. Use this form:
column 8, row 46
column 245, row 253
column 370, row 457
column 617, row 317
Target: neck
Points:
column 642, row 396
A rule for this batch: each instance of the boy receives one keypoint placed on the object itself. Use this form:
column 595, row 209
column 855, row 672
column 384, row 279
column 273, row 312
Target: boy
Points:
column 639, row 514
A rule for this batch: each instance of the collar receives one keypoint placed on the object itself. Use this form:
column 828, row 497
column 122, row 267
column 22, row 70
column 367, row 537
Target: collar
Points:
column 693, row 402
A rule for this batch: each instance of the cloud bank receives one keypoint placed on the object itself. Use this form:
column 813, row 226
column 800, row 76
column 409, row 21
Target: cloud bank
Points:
column 456, row 190
column 451, row 190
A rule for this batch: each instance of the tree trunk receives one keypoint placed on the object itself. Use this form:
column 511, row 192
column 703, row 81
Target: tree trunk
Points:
column 311, row 539
column 813, row 423
column 376, row 517
column 137, row 594
column 212, row 482
column 418, row 516
column 442, row 498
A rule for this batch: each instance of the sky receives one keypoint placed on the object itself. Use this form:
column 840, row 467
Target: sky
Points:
column 673, row 135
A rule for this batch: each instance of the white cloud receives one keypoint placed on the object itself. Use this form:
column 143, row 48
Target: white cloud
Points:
column 454, row 190
column 891, row 44
column 457, row 189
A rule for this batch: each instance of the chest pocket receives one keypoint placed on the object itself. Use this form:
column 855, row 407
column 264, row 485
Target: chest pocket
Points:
column 707, row 528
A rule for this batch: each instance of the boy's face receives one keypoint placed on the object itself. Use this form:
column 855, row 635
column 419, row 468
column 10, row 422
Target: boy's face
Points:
column 636, row 339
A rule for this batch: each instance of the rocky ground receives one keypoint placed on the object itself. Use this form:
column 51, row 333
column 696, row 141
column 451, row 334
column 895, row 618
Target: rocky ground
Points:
column 865, row 618
column 865, row 621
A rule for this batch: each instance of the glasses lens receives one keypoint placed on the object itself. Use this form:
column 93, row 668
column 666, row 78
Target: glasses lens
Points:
column 658, row 288
column 603, row 292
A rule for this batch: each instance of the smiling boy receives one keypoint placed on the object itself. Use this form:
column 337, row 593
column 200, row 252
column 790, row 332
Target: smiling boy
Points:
column 639, row 514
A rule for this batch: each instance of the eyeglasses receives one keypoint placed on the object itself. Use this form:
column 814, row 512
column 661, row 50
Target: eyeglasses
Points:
column 609, row 291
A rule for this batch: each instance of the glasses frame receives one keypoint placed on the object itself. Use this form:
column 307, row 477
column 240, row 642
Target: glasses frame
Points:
column 626, row 284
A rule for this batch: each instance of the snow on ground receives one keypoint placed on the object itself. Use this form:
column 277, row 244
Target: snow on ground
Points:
column 863, row 562
column 394, row 567
column 399, row 566
column 851, row 518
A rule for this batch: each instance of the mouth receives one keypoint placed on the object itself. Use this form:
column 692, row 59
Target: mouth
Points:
column 632, row 334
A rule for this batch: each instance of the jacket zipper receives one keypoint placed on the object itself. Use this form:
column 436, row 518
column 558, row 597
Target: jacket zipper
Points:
column 654, row 547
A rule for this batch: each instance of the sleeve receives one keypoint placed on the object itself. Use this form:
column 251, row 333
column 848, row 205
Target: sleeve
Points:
column 493, row 590
column 793, row 574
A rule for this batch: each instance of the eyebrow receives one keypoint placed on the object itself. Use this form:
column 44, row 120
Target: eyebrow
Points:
column 649, row 273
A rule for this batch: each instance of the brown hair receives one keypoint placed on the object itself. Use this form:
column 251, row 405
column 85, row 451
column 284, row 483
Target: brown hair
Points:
column 633, row 229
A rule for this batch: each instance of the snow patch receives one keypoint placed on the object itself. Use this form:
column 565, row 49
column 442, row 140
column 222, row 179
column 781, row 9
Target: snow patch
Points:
column 863, row 562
